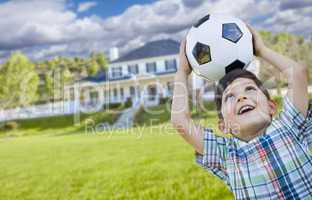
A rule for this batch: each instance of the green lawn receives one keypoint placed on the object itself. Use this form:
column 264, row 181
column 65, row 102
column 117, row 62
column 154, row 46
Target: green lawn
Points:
column 148, row 116
column 58, row 160
column 58, row 125
column 152, row 115
column 141, row 163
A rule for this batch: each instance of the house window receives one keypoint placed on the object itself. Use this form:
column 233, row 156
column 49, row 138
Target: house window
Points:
column 138, row 91
column 72, row 94
column 170, row 87
column 121, row 93
column 94, row 95
column 133, row 69
column 116, row 72
column 106, row 94
column 152, row 92
column 171, row 65
column 115, row 93
column 151, row 67
column 132, row 91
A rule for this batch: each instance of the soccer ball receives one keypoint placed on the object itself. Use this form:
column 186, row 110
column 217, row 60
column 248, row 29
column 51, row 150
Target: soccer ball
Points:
column 217, row 44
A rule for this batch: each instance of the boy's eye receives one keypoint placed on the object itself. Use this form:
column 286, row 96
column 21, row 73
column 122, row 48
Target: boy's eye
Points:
column 248, row 88
column 228, row 97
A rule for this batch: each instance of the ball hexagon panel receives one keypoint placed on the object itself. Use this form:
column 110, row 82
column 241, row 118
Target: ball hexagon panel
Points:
column 231, row 32
column 201, row 53
column 237, row 64
column 202, row 20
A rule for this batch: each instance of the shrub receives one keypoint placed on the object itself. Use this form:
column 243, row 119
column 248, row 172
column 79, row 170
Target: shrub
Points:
column 113, row 106
column 128, row 103
column 165, row 100
column 10, row 125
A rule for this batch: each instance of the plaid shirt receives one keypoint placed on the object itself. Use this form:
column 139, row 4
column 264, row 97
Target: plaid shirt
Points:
column 275, row 165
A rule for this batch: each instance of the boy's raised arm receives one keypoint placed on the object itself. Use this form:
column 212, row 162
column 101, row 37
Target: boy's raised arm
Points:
column 297, row 74
column 180, row 112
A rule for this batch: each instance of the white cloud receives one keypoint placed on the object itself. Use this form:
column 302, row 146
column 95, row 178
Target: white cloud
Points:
column 50, row 51
column 51, row 28
column 42, row 22
column 86, row 6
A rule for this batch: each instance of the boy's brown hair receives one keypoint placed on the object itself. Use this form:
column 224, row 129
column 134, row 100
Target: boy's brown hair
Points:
column 226, row 80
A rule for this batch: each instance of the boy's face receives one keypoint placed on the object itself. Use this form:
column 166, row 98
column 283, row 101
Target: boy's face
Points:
column 245, row 109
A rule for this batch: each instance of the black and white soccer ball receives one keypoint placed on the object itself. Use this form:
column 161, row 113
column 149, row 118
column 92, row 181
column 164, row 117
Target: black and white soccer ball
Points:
column 217, row 44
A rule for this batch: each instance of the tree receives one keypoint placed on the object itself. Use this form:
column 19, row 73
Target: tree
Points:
column 55, row 74
column 102, row 61
column 18, row 82
column 48, row 86
column 93, row 67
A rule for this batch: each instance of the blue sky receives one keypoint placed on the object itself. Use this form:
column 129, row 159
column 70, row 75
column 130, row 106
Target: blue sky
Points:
column 103, row 8
column 107, row 8
column 44, row 29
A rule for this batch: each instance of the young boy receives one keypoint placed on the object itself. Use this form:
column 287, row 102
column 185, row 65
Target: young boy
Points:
column 265, row 158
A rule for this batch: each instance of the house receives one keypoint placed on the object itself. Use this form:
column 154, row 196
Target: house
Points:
column 144, row 75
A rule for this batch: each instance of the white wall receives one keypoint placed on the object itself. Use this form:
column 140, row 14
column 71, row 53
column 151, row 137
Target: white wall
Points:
column 160, row 64
column 50, row 109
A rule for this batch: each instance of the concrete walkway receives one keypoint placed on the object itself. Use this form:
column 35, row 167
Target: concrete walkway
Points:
column 126, row 118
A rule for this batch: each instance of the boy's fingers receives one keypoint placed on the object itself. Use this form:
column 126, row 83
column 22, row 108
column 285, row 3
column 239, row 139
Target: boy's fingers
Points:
column 182, row 45
column 183, row 52
column 252, row 30
column 249, row 26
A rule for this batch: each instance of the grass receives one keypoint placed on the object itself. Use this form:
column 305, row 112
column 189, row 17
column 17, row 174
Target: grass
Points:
column 60, row 161
column 148, row 116
column 56, row 125
column 205, row 115
column 141, row 163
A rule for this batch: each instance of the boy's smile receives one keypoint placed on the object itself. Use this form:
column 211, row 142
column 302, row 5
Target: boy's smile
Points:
column 246, row 110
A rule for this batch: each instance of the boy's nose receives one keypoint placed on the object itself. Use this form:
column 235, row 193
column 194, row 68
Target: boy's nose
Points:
column 241, row 98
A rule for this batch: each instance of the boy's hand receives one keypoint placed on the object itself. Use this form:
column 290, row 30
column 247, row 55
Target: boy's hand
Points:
column 180, row 111
column 258, row 43
column 296, row 73
column 184, row 63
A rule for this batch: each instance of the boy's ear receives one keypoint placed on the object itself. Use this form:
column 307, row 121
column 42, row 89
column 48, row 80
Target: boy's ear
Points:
column 221, row 125
column 273, row 107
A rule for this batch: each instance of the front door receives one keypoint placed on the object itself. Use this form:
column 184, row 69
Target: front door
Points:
column 152, row 93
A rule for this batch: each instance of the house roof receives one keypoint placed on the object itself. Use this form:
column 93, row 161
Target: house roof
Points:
column 99, row 77
column 103, row 77
column 151, row 49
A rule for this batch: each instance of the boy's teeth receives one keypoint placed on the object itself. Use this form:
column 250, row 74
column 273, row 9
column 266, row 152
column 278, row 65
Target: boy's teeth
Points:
column 244, row 108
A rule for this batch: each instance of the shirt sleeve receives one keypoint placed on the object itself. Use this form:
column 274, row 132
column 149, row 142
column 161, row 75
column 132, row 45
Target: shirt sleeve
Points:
column 214, row 155
column 294, row 119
